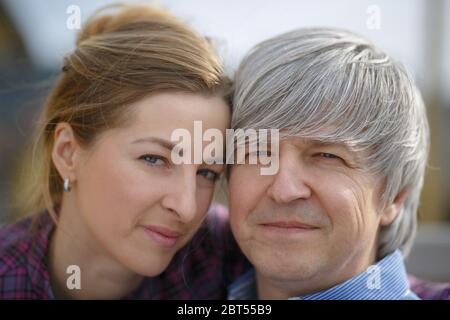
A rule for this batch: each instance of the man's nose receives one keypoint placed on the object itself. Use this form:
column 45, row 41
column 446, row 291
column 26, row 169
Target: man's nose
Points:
column 181, row 199
column 289, row 184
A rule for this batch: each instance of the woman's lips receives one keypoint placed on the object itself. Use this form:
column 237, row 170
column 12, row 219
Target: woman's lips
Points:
column 163, row 236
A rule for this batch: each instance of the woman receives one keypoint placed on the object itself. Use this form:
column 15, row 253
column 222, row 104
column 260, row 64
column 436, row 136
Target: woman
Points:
column 117, row 209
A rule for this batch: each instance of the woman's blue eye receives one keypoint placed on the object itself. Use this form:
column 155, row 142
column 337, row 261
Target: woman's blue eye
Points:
column 153, row 160
column 208, row 174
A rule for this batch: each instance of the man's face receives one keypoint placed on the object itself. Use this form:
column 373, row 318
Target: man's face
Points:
column 315, row 221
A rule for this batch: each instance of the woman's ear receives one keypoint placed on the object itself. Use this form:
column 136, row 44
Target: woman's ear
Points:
column 65, row 151
column 394, row 208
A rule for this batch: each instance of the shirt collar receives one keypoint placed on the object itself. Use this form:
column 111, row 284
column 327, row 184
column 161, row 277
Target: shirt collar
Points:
column 385, row 280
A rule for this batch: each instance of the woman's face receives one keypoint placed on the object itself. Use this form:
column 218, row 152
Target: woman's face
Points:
column 138, row 205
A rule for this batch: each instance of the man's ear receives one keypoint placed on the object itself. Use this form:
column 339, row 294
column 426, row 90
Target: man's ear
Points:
column 394, row 208
column 65, row 150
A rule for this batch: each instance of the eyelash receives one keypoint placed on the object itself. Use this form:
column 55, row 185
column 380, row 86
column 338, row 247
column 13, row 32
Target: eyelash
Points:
column 215, row 176
column 146, row 158
column 328, row 155
column 203, row 172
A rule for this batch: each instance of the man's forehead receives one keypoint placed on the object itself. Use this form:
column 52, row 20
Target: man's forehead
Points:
column 302, row 141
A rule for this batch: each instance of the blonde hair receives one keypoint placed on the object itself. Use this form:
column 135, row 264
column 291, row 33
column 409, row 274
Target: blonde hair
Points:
column 120, row 57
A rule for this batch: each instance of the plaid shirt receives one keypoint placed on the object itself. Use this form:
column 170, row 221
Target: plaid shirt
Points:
column 429, row 290
column 201, row 270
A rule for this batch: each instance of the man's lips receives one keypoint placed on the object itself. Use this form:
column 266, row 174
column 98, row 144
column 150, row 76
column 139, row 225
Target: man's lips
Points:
column 162, row 235
column 289, row 226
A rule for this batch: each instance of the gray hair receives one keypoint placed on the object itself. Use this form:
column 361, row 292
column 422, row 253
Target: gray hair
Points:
column 333, row 85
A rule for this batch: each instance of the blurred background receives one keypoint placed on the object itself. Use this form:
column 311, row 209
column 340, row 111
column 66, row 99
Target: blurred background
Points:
column 35, row 36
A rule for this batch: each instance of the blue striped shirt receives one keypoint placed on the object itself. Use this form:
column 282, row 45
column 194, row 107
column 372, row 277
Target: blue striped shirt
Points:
column 385, row 280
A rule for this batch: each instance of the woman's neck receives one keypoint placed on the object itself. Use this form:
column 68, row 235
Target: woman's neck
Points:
column 101, row 276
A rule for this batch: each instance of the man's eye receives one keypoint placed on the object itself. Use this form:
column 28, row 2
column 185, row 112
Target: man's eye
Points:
column 208, row 174
column 328, row 155
column 153, row 160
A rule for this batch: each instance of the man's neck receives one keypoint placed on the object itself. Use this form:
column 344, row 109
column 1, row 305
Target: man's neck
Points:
column 281, row 289
column 271, row 290
column 102, row 277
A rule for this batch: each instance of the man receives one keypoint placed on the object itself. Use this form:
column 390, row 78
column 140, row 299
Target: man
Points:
column 337, row 219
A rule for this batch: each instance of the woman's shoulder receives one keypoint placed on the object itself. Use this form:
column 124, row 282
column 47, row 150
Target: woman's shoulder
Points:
column 15, row 241
column 23, row 247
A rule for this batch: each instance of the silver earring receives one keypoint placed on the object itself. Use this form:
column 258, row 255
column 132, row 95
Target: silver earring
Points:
column 67, row 185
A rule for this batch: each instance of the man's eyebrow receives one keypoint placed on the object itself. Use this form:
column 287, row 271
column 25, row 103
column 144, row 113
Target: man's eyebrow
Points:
column 336, row 144
column 357, row 156
column 320, row 143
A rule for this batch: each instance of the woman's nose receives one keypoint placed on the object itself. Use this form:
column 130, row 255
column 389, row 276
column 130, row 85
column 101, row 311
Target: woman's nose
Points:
column 181, row 198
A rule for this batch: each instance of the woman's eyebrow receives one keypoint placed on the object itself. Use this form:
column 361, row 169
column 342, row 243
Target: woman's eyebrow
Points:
column 167, row 144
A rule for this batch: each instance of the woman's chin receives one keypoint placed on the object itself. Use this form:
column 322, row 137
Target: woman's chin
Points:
column 151, row 268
